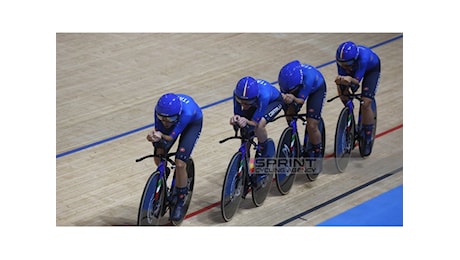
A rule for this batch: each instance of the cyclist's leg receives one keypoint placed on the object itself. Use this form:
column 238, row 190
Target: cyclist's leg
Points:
column 187, row 142
column 315, row 104
column 369, row 89
column 261, row 131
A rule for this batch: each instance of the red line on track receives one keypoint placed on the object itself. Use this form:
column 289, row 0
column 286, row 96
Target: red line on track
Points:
column 215, row 204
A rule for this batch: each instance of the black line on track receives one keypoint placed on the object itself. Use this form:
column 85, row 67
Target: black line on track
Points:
column 341, row 196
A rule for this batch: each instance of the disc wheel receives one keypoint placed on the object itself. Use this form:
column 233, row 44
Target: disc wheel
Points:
column 233, row 187
column 288, row 147
column 344, row 140
column 151, row 207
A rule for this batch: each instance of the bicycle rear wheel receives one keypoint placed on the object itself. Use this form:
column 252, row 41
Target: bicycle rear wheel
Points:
column 361, row 139
column 190, row 184
column 233, row 186
column 322, row 129
column 151, row 207
column 344, row 139
column 288, row 147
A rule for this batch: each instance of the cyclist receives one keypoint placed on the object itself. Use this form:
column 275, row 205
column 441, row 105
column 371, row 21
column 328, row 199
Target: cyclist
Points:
column 359, row 64
column 300, row 83
column 255, row 103
column 176, row 115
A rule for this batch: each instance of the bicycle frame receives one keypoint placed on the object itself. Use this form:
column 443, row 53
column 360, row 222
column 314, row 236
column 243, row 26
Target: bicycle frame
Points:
column 162, row 170
column 158, row 197
column 244, row 148
column 239, row 180
column 351, row 107
column 163, row 159
column 294, row 126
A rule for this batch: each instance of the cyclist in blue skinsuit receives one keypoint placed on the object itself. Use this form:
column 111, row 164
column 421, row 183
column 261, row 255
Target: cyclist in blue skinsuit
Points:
column 176, row 115
column 300, row 83
column 359, row 64
column 255, row 103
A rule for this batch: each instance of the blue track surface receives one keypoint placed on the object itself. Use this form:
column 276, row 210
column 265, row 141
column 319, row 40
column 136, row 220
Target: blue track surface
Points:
column 383, row 210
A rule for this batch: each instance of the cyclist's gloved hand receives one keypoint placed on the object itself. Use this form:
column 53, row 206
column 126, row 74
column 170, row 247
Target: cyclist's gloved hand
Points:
column 234, row 119
column 242, row 121
column 288, row 98
column 154, row 136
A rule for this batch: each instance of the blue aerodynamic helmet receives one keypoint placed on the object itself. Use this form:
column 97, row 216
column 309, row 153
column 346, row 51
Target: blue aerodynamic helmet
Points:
column 290, row 77
column 347, row 53
column 168, row 108
column 246, row 90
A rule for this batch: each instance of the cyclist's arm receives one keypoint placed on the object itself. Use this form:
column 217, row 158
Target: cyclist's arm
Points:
column 184, row 121
column 289, row 98
column 155, row 136
column 242, row 121
column 166, row 137
column 346, row 80
column 299, row 101
column 252, row 123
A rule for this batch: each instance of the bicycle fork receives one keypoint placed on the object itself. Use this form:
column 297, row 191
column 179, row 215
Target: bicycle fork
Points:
column 351, row 133
column 293, row 136
column 288, row 150
column 239, row 176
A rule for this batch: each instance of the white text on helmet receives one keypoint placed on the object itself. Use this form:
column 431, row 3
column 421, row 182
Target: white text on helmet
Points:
column 184, row 100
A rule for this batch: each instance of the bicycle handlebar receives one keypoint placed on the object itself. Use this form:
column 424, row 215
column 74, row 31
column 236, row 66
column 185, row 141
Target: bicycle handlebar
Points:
column 161, row 156
column 229, row 138
column 243, row 138
column 298, row 116
column 357, row 96
column 354, row 88
column 332, row 99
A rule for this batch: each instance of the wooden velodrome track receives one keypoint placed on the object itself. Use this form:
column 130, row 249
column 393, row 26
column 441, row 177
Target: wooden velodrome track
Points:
column 107, row 87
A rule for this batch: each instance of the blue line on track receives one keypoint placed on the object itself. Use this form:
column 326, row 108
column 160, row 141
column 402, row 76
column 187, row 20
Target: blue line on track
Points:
column 203, row 107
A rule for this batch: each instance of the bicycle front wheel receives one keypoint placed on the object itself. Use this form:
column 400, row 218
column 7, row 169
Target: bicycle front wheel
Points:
column 344, row 139
column 151, row 207
column 288, row 147
column 233, row 186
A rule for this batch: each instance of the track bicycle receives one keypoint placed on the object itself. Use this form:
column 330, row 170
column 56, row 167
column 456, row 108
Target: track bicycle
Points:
column 238, row 180
column 348, row 134
column 289, row 147
column 158, row 197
